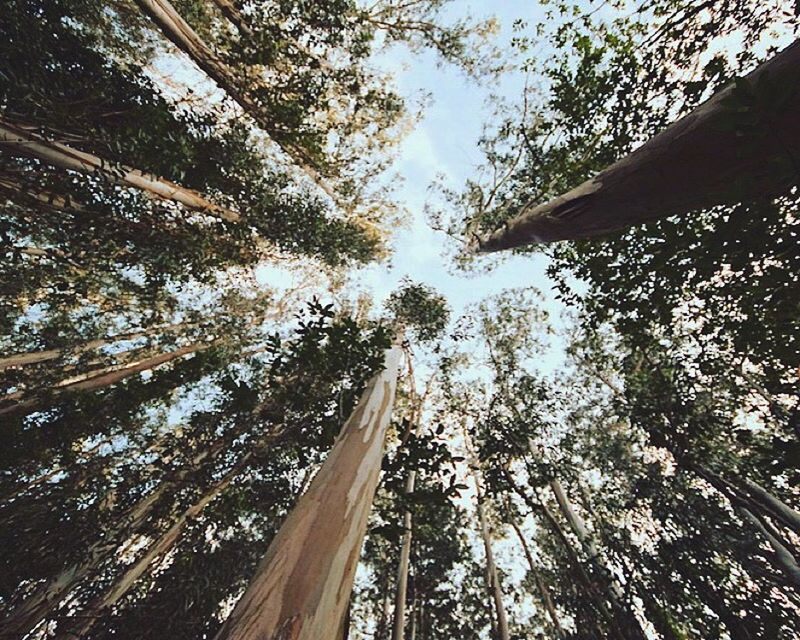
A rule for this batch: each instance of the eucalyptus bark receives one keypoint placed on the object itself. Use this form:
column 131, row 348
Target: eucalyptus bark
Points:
column 17, row 404
column 398, row 630
column 541, row 585
column 181, row 34
column 715, row 155
column 301, row 589
column 60, row 155
column 491, row 572
column 36, row 357
column 47, row 598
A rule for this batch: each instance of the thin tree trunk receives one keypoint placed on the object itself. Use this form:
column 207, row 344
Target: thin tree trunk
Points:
column 301, row 589
column 181, row 34
column 48, row 597
column 782, row 558
column 54, row 153
column 11, row 183
column 704, row 159
column 779, row 509
column 491, row 571
column 541, row 586
column 23, row 406
column 36, row 357
column 402, row 567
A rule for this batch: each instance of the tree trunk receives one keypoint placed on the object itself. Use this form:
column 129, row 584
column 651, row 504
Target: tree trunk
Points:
column 704, row 159
column 491, row 571
column 10, row 183
column 157, row 550
column 402, row 568
column 181, row 34
column 35, row 357
column 47, row 598
column 775, row 506
column 541, row 586
column 302, row 586
column 782, row 559
column 54, row 153
column 16, row 404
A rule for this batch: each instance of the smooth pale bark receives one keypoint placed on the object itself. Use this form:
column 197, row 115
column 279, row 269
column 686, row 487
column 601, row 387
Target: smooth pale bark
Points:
column 35, row 357
column 156, row 551
column 22, row 405
column 541, row 586
column 301, row 589
column 782, row 558
column 181, row 34
column 46, row 599
column 402, row 567
column 60, row 155
column 702, row 160
column 491, row 568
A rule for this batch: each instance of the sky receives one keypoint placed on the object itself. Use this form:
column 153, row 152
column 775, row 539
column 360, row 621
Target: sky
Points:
column 444, row 144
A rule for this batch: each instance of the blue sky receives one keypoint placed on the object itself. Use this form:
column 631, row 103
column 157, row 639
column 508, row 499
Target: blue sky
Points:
column 445, row 142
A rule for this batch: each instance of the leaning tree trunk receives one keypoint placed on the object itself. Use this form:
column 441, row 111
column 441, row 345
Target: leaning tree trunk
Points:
column 491, row 568
column 782, row 559
column 301, row 589
column 60, row 155
column 774, row 505
column 725, row 151
column 181, row 34
column 541, row 585
column 36, row 357
column 19, row 405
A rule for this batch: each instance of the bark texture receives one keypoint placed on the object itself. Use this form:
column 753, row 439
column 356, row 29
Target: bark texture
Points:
column 301, row 589
column 715, row 155
column 60, row 155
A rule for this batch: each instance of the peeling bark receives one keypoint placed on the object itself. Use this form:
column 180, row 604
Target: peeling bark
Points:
column 301, row 589
column 60, row 155
column 704, row 159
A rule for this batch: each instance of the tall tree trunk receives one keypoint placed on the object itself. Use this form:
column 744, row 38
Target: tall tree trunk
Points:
column 34, row 609
column 302, row 586
column 491, row 569
column 541, row 585
column 782, row 558
column 402, row 567
column 36, row 357
column 774, row 505
column 704, row 159
column 60, row 155
column 16, row 404
column 181, row 34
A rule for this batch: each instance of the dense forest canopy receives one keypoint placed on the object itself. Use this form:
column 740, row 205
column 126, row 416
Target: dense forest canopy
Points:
column 219, row 423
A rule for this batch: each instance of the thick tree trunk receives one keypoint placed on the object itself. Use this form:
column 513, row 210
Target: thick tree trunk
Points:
column 16, row 404
column 541, row 586
column 54, row 153
column 713, row 156
column 181, row 34
column 398, row 631
column 302, row 586
column 36, row 357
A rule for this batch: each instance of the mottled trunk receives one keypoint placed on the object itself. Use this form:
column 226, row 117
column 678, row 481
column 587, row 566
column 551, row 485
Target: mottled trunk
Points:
column 302, row 586
column 541, row 585
column 36, row 357
column 16, row 404
column 54, row 153
column 402, row 567
column 181, row 34
column 715, row 155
